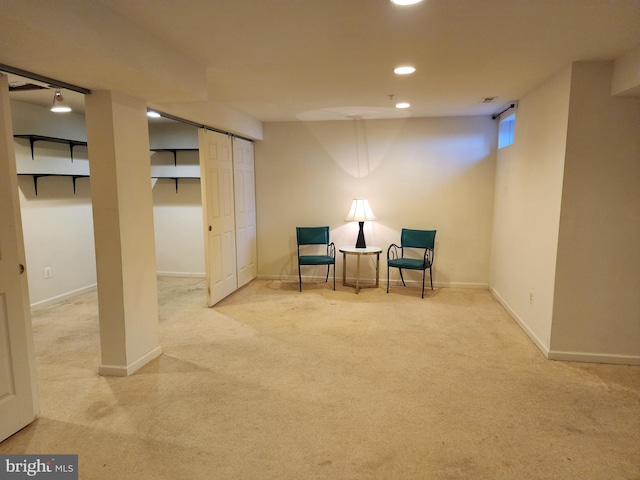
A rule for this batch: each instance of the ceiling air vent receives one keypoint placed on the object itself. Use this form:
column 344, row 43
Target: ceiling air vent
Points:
column 488, row 99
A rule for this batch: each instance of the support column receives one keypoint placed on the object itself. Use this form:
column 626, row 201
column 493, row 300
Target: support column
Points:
column 118, row 144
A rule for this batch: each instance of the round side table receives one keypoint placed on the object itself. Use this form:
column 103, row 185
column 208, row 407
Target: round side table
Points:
column 358, row 252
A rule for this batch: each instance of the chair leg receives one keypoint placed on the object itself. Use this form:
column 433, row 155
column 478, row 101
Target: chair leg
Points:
column 327, row 277
column 387, row 276
column 400, row 270
column 424, row 271
column 334, row 276
column 431, row 277
column 299, row 277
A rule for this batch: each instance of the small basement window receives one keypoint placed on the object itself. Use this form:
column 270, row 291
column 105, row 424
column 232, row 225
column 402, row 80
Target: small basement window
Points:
column 505, row 131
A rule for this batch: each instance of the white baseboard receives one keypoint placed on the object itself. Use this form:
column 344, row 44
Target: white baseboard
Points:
column 586, row 357
column 481, row 286
column 534, row 338
column 64, row 296
column 181, row 274
column 418, row 283
column 367, row 280
column 126, row 370
column 594, row 357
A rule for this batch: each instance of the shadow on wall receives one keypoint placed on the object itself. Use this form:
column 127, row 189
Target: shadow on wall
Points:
column 355, row 153
column 359, row 147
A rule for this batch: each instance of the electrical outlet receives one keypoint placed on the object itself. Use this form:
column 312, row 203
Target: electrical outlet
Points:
column 531, row 297
column 47, row 272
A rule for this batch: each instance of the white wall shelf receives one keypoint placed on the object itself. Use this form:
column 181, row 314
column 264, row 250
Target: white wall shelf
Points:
column 175, row 152
column 173, row 177
column 176, row 178
column 37, row 176
column 42, row 138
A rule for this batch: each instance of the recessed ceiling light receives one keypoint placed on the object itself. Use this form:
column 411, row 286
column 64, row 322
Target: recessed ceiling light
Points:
column 405, row 70
column 405, row 2
column 403, row 105
column 153, row 114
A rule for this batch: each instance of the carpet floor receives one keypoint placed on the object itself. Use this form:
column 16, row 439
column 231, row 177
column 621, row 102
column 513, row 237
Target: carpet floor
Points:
column 276, row 384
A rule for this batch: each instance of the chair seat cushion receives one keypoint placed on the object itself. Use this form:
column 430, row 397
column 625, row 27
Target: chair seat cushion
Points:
column 316, row 260
column 410, row 263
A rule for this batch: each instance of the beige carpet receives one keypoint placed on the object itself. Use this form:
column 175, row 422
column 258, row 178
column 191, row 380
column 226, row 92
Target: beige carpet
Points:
column 277, row 384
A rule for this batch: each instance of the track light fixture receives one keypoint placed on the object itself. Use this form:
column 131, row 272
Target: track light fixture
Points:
column 59, row 105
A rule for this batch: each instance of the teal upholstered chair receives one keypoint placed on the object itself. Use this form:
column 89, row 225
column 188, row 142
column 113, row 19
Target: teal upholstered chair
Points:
column 419, row 241
column 327, row 256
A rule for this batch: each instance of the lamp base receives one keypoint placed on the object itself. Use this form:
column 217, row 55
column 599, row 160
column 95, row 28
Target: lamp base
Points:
column 360, row 243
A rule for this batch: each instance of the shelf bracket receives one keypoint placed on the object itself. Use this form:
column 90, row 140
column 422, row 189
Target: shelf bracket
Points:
column 31, row 142
column 35, row 182
column 72, row 145
column 74, row 178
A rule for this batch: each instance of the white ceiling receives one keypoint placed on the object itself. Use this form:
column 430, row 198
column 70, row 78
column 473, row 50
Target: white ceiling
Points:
column 277, row 60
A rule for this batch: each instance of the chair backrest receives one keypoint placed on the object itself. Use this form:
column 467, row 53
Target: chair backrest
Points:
column 418, row 238
column 312, row 235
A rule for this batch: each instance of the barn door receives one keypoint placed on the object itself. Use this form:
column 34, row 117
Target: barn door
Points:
column 244, row 184
column 216, row 172
column 18, row 401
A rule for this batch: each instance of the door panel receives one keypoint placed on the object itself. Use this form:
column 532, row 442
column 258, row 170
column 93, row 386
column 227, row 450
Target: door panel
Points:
column 243, row 162
column 216, row 168
column 217, row 275
column 7, row 386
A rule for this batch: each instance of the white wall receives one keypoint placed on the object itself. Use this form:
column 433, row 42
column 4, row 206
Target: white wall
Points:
column 567, row 218
column 58, row 224
column 178, row 228
column 527, row 208
column 428, row 173
column 165, row 133
column 597, row 300
column 177, row 215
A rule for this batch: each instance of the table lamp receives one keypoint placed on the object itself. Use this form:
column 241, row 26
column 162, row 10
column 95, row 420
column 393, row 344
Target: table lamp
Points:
column 360, row 212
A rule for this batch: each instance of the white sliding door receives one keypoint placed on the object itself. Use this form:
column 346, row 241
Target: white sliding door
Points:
column 245, row 206
column 18, row 401
column 216, row 172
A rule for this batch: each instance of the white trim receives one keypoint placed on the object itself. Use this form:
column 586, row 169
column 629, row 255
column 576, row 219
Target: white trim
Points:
column 594, row 357
column 534, row 338
column 481, row 286
column 366, row 280
column 427, row 285
column 64, row 296
column 294, row 278
column 587, row 357
column 125, row 371
column 181, row 274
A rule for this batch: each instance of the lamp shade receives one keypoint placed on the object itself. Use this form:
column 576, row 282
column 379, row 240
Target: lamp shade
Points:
column 360, row 211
